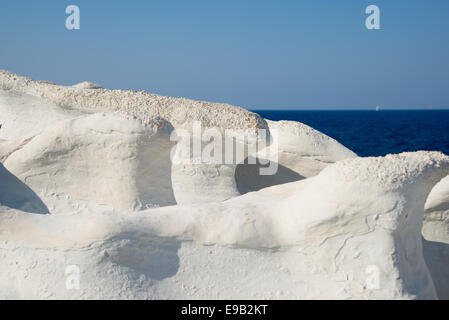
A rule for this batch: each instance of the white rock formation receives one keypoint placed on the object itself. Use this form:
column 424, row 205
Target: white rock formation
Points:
column 436, row 226
column 87, row 85
column 28, row 108
column 142, row 105
column 100, row 159
column 301, row 152
column 83, row 170
column 436, row 234
column 306, row 150
column 22, row 116
column 354, row 231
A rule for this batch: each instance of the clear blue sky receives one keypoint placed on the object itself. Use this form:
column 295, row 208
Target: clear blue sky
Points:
column 252, row 53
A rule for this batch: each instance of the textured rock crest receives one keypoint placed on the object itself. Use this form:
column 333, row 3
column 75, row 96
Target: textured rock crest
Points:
column 141, row 104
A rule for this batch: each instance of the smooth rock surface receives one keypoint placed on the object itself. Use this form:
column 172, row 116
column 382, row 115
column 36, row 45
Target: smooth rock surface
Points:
column 436, row 226
column 436, row 234
column 300, row 152
column 99, row 159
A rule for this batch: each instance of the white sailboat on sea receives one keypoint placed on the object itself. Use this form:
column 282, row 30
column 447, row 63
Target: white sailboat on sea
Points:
column 377, row 108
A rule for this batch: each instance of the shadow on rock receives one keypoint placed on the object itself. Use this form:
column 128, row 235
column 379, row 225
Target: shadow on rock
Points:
column 248, row 177
column 157, row 259
column 17, row 195
column 436, row 255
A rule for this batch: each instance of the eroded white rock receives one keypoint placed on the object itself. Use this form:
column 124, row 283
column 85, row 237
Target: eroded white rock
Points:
column 100, row 159
column 436, row 226
column 436, row 234
column 328, row 225
column 366, row 223
column 300, row 152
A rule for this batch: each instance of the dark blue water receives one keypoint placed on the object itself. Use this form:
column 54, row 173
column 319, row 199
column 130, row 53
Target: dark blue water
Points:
column 371, row 133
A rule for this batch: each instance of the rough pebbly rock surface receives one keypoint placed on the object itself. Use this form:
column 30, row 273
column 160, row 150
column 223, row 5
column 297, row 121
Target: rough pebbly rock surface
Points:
column 86, row 85
column 141, row 104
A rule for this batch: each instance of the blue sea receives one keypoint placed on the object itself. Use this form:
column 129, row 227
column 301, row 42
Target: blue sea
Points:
column 376, row 133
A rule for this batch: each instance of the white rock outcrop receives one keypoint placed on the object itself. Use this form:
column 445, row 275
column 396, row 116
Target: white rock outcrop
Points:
column 367, row 223
column 99, row 159
column 436, row 226
column 141, row 104
column 28, row 108
column 95, row 205
column 87, row 85
column 301, row 152
column 436, row 234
